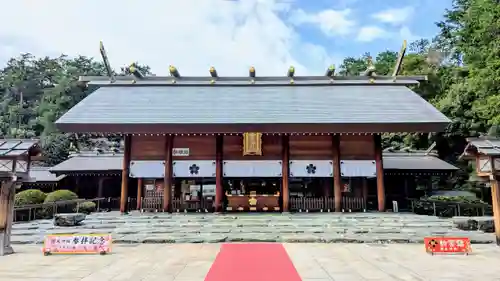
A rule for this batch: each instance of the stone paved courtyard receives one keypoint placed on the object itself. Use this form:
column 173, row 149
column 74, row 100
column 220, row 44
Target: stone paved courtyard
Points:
column 288, row 228
column 314, row 262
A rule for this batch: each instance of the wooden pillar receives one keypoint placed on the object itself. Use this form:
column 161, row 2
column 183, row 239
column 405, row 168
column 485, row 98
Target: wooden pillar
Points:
column 285, row 158
column 337, row 176
column 168, row 177
column 326, row 188
column 139, row 193
column 7, row 193
column 77, row 186
column 495, row 200
column 380, row 173
column 364, row 190
column 125, row 172
column 407, row 195
column 100, row 186
column 219, row 187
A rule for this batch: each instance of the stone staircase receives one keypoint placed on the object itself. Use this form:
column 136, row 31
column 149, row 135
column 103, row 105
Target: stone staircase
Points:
column 213, row 228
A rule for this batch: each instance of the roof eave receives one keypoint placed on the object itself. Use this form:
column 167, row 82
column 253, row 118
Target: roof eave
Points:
column 249, row 83
column 244, row 80
column 122, row 128
column 66, row 173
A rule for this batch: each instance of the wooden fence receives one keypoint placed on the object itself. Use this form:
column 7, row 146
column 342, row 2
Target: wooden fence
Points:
column 153, row 202
column 326, row 204
column 449, row 209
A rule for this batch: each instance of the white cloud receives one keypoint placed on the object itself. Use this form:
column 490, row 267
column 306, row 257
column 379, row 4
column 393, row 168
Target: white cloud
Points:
column 311, row 52
column 394, row 16
column 331, row 22
column 190, row 34
column 370, row 33
column 406, row 34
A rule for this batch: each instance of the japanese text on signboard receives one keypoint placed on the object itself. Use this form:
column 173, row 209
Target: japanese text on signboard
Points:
column 77, row 244
column 447, row 245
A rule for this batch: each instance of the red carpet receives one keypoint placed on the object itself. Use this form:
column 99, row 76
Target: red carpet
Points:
column 252, row 262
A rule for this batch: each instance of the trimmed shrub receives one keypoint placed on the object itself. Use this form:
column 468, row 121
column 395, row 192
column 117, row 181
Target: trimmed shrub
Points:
column 86, row 207
column 61, row 195
column 29, row 197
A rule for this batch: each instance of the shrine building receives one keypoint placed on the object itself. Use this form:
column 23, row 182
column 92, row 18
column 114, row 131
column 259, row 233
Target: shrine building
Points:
column 248, row 141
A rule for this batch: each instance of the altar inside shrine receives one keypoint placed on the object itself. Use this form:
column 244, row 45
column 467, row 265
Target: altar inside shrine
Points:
column 253, row 195
column 253, row 202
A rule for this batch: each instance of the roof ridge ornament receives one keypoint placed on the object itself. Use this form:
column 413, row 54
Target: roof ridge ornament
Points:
column 174, row 72
column 370, row 70
column 291, row 73
column 140, row 79
column 133, row 69
column 399, row 61
column 105, row 60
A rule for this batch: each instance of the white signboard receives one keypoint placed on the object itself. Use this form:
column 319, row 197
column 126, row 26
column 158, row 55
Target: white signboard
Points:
column 209, row 190
column 180, row 151
column 358, row 168
column 152, row 169
column 194, row 190
column 252, row 168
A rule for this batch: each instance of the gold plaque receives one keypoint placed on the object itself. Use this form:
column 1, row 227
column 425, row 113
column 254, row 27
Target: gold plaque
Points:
column 252, row 201
column 252, row 144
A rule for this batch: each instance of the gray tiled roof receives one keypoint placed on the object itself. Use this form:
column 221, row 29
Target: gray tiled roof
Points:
column 253, row 105
column 15, row 147
column 42, row 174
column 392, row 161
column 487, row 145
column 415, row 161
column 90, row 163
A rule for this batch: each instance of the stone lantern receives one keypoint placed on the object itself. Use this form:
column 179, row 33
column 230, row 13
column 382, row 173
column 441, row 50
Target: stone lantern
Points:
column 485, row 152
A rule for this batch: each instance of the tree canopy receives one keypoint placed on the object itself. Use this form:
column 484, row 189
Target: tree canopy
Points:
column 462, row 63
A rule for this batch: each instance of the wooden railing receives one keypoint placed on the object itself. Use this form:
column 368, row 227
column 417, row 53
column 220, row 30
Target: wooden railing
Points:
column 326, row 204
column 354, row 204
column 155, row 204
column 179, row 205
column 449, row 209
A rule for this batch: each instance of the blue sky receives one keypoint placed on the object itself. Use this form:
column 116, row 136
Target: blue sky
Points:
column 411, row 20
column 230, row 35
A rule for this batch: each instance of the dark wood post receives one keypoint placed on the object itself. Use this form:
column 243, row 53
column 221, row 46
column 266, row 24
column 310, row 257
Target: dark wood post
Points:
column 380, row 173
column 125, row 172
column 7, row 195
column 219, row 187
column 139, row 193
column 168, row 177
column 337, row 176
column 285, row 166
column 364, row 192
column 100, row 186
